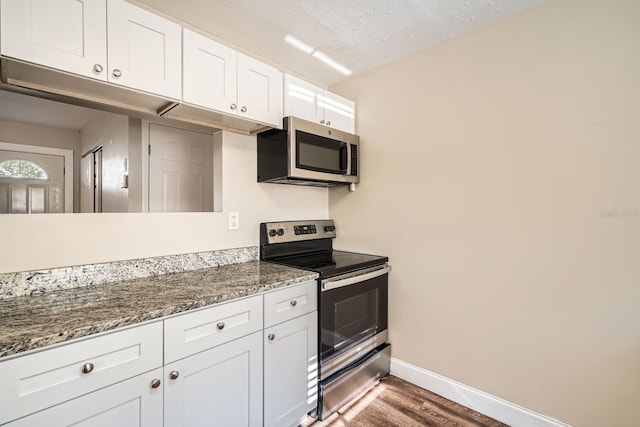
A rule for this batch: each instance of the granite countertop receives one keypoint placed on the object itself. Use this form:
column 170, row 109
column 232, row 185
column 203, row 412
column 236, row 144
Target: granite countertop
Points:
column 31, row 322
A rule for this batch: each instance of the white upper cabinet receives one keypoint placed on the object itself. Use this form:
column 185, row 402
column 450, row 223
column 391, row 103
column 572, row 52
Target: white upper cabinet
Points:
column 145, row 50
column 69, row 35
column 310, row 102
column 338, row 112
column 300, row 99
column 111, row 41
column 209, row 71
column 259, row 91
column 221, row 79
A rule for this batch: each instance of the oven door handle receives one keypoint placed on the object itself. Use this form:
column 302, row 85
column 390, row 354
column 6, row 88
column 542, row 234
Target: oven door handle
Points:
column 328, row 284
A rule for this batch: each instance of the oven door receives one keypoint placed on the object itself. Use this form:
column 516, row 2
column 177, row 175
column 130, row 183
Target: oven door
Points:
column 353, row 316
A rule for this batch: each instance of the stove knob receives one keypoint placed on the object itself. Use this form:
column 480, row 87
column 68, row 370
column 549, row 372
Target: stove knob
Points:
column 280, row 231
column 272, row 232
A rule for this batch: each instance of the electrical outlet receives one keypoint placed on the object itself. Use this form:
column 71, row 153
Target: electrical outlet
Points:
column 234, row 221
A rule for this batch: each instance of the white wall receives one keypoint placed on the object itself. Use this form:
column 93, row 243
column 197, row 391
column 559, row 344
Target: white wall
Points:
column 55, row 240
column 111, row 131
column 500, row 173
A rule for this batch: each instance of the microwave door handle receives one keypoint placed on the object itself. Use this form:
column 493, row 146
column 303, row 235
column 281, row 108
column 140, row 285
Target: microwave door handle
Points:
column 344, row 157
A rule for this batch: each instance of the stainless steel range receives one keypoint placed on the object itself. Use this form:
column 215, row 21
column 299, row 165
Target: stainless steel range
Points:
column 353, row 294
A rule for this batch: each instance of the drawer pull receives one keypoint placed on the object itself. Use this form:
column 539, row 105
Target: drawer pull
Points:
column 174, row 375
column 155, row 383
column 294, row 303
column 271, row 337
column 87, row 368
column 220, row 325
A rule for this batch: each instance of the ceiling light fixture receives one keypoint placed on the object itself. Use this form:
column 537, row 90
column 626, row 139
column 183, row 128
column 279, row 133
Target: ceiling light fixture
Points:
column 298, row 44
column 317, row 54
column 331, row 63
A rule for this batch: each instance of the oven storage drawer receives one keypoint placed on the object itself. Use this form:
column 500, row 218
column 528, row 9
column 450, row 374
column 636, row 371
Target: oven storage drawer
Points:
column 290, row 302
column 46, row 378
column 343, row 387
column 201, row 330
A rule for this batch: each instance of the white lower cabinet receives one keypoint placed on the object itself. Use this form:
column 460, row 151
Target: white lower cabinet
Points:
column 130, row 403
column 221, row 367
column 290, row 370
column 221, row 386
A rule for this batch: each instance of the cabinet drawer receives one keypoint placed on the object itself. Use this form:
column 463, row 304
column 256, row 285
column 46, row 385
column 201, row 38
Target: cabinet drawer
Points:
column 36, row 381
column 200, row 330
column 290, row 302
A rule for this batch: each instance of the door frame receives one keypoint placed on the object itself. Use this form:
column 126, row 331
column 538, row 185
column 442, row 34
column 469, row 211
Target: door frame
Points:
column 68, row 165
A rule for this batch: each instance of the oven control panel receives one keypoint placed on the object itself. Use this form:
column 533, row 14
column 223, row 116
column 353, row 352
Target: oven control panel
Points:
column 304, row 229
column 291, row 231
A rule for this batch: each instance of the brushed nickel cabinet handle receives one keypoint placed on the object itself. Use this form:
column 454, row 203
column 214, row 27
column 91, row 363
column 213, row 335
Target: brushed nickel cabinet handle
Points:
column 87, row 368
column 294, row 303
column 155, row 383
column 271, row 337
column 243, row 109
column 98, row 68
column 174, row 375
column 117, row 73
column 220, row 325
column 322, row 121
column 328, row 122
column 234, row 106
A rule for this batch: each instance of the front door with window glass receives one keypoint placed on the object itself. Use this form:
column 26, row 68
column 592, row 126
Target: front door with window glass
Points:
column 31, row 183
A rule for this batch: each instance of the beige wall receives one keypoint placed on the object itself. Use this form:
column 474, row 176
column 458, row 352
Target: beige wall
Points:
column 55, row 240
column 501, row 174
column 45, row 136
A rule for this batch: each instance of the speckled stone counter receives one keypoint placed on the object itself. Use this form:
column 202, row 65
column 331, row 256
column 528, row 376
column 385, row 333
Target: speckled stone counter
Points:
column 31, row 322
column 55, row 279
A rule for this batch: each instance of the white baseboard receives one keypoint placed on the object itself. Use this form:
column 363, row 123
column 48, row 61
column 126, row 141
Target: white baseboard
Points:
column 470, row 397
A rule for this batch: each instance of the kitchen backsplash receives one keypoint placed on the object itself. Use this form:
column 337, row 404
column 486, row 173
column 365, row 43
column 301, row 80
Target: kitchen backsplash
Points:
column 39, row 281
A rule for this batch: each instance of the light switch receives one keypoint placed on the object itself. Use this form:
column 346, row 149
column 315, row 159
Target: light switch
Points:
column 234, row 221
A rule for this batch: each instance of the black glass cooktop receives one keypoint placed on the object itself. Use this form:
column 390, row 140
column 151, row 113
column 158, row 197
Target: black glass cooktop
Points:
column 332, row 263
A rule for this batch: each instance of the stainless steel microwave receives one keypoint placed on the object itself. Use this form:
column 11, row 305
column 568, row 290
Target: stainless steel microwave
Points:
column 308, row 153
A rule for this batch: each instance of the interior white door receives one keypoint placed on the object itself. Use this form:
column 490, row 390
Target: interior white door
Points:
column 259, row 91
column 209, row 70
column 31, row 183
column 180, row 170
column 69, row 35
column 145, row 50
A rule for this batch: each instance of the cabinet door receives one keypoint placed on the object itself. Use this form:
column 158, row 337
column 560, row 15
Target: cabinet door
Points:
column 259, row 91
column 339, row 112
column 130, row 403
column 290, row 370
column 145, row 50
column 209, row 70
column 300, row 99
column 69, row 35
column 221, row 386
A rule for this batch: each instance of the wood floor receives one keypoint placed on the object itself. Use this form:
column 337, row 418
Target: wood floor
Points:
column 395, row 402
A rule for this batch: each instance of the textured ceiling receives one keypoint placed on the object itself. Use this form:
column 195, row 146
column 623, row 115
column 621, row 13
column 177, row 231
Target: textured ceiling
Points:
column 360, row 34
